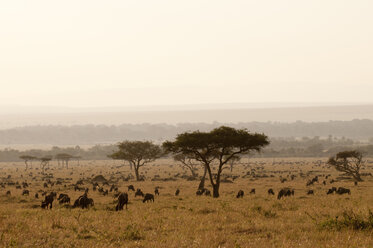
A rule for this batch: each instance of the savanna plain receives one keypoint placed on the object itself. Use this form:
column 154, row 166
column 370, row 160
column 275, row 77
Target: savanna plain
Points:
column 187, row 220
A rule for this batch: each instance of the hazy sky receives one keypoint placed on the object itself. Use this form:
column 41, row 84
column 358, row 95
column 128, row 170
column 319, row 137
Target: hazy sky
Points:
column 105, row 53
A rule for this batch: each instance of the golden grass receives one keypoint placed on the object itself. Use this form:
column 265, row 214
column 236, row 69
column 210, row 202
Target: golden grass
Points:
column 186, row 220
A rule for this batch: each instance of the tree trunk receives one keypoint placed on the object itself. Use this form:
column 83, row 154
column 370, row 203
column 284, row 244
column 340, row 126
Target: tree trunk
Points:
column 357, row 177
column 202, row 183
column 137, row 173
column 215, row 188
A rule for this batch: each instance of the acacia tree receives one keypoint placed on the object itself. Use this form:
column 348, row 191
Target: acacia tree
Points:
column 44, row 161
column 137, row 153
column 65, row 158
column 218, row 146
column 349, row 162
column 28, row 158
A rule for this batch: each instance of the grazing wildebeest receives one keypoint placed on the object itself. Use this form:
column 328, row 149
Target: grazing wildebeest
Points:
column 139, row 193
column 45, row 185
column 271, row 192
column 310, row 192
column 252, row 191
column 122, row 199
column 63, row 198
column 285, row 192
column 48, row 200
column 355, row 183
column 36, row 195
column 341, row 191
column 331, row 191
column 156, row 191
column 8, row 192
column 83, row 201
column 148, row 197
column 240, row 194
column 25, row 192
column 130, row 187
column 18, row 187
column 177, row 192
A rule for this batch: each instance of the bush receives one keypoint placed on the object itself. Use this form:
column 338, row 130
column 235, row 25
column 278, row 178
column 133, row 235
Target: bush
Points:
column 349, row 219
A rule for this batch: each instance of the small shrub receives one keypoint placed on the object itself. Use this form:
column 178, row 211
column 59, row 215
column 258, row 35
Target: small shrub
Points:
column 132, row 233
column 349, row 219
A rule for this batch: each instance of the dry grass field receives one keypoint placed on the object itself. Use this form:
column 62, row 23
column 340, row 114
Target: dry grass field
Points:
column 187, row 220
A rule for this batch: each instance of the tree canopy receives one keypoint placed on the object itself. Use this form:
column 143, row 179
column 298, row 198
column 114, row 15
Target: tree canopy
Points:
column 218, row 146
column 137, row 153
column 349, row 162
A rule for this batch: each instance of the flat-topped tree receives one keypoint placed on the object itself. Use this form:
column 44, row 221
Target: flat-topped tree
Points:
column 65, row 158
column 27, row 158
column 44, row 161
column 349, row 162
column 137, row 153
column 216, row 147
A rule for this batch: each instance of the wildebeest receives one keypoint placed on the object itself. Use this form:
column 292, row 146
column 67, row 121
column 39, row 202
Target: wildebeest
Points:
column 207, row 192
column 122, row 199
column 271, row 192
column 36, row 195
column 341, row 191
column 48, row 200
column 177, row 192
column 148, row 197
column 310, row 192
column 83, row 201
column 8, row 192
column 156, row 191
column 63, row 198
column 25, row 192
column 130, row 187
column 240, row 194
column 331, row 191
column 139, row 193
column 45, row 185
column 285, row 192
column 252, row 191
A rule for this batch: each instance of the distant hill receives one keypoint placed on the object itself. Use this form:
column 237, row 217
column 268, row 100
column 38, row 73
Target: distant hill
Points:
column 105, row 134
column 228, row 113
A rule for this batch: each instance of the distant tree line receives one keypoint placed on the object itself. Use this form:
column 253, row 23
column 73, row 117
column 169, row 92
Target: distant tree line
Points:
column 278, row 147
column 101, row 134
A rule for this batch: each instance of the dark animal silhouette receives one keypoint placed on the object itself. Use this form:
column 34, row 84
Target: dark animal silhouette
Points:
column 240, row 194
column 122, row 199
column 48, row 200
column 252, row 191
column 139, row 193
column 177, row 192
column 156, row 191
column 148, row 197
column 83, row 202
column 310, row 192
column 285, row 192
column 63, row 198
column 271, row 192
column 130, row 187
column 8, row 192
column 341, row 191
column 331, row 191
column 25, row 192
column 36, row 195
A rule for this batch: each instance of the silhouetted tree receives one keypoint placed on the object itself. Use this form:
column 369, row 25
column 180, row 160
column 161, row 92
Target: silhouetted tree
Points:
column 27, row 158
column 44, row 161
column 349, row 162
column 218, row 146
column 137, row 153
column 65, row 158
